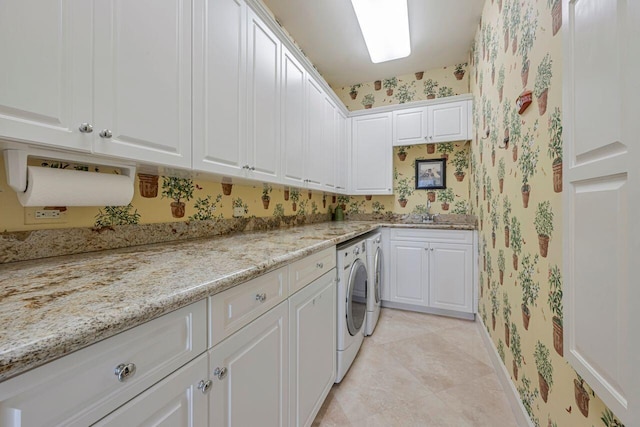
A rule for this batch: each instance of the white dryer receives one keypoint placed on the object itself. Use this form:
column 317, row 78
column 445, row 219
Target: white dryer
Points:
column 352, row 302
column 374, row 286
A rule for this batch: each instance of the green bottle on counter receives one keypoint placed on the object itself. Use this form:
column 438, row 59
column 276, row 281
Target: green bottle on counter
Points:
column 339, row 213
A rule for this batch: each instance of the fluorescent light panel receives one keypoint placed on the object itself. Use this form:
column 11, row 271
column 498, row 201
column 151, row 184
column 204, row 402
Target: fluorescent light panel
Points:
column 385, row 28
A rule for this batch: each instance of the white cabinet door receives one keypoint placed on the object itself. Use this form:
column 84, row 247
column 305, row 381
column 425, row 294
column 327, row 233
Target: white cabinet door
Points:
column 142, row 80
column 410, row 126
column 263, row 106
column 46, row 89
column 315, row 149
column 448, row 122
column 409, row 273
column 250, row 385
column 293, row 120
column 450, row 277
column 342, row 153
column 329, row 132
column 175, row 401
column 601, row 199
column 312, row 343
column 371, row 157
column 219, row 86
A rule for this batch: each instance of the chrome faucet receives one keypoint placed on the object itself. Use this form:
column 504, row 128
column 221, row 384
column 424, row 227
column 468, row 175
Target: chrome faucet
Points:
column 427, row 217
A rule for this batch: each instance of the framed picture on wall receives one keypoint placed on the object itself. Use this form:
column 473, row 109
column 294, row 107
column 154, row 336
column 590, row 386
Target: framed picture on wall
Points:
column 431, row 174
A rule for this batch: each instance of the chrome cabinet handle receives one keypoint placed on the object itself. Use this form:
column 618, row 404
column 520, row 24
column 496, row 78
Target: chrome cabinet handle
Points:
column 252, row 168
column 220, row 373
column 245, row 167
column 85, row 128
column 320, row 265
column 105, row 133
column 204, row 386
column 261, row 297
column 124, row 371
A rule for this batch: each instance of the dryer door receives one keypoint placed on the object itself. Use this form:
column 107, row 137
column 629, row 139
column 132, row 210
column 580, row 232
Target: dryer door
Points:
column 377, row 263
column 356, row 297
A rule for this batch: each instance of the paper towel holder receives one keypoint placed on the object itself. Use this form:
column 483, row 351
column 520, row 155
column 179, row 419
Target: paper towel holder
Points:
column 15, row 161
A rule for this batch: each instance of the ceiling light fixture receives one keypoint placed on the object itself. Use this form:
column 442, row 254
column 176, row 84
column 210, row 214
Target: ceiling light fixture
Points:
column 385, row 28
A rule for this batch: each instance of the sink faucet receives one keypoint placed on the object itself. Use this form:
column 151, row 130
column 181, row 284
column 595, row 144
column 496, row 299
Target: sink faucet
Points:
column 427, row 217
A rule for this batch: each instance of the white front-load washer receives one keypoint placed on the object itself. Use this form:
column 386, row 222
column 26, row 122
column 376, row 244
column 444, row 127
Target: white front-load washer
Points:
column 374, row 285
column 352, row 302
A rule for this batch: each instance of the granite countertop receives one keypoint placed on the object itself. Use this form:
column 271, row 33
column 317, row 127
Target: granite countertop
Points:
column 52, row 307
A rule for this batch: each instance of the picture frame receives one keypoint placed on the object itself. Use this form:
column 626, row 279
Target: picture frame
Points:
column 431, row 174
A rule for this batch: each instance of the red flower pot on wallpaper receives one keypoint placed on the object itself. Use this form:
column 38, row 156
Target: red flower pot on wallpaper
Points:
column 506, row 237
column 148, row 185
column 493, row 240
column 526, row 191
column 403, row 202
column 402, row 155
column 459, row 71
column 286, row 195
column 309, row 195
column 557, row 176
column 493, row 321
column 368, row 197
column 431, row 195
column 515, row 261
column 226, row 188
column 501, row 184
column 324, row 201
column 544, row 388
column 493, row 159
column 506, row 334
column 177, row 209
column 500, row 92
column 582, row 396
column 389, row 92
column 377, row 85
column 333, row 199
column 544, row 226
column 431, row 148
column 419, row 75
column 558, row 335
column 515, row 370
column 501, row 276
column 265, row 202
column 459, row 176
column 294, row 206
column 493, row 75
column 556, row 13
column 514, row 153
column 543, row 243
column 445, row 206
column 542, row 102
column 526, row 316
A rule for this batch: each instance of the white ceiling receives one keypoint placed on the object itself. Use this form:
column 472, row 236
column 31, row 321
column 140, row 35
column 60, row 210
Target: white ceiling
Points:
column 328, row 33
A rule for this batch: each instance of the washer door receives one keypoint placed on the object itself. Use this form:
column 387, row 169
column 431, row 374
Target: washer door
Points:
column 377, row 263
column 356, row 297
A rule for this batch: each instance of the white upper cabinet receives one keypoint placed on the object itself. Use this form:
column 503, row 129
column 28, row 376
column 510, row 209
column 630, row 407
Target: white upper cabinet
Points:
column 601, row 199
column 263, row 106
column 441, row 122
column 219, row 86
column 371, row 156
column 142, row 80
column 448, row 122
column 342, row 153
column 46, row 88
column 329, row 138
column 410, row 126
column 315, row 122
column 293, row 120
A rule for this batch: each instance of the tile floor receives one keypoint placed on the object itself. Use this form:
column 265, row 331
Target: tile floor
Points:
column 419, row 370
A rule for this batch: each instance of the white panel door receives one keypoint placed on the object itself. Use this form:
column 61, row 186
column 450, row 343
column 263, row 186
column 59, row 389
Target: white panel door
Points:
column 450, row 277
column 342, row 153
column 293, row 120
column 312, row 344
column 371, row 159
column 409, row 273
column 410, row 126
column 250, row 387
column 448, row 122
column 175, row 401
column 601, row 199
column 142, row 71
column 263, row 77
column 46, row 52
column 315, row 151
column 329, row 132
column 219, row 86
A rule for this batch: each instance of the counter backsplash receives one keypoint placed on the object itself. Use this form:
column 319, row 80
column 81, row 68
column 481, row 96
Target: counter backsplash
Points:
column 28, row 245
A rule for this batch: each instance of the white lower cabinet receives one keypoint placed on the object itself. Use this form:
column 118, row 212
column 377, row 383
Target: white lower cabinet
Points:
column 432, row 271
column 180, row 400
column 250, row 374
column 312, row 348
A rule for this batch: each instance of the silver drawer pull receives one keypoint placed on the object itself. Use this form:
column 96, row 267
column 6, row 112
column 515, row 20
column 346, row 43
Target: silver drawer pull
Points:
column 124, row 371
column 261, row 297
column 320, row 265
column 220, row 373
column 85, row 128
column 204, row 386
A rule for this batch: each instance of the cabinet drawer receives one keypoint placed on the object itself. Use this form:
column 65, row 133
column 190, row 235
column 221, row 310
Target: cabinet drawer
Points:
column 306, row 270
column 81, row 388
column 232, row 309
column 444, row 236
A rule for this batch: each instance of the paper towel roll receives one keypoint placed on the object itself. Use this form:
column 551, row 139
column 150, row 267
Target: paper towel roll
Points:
column 60, row 187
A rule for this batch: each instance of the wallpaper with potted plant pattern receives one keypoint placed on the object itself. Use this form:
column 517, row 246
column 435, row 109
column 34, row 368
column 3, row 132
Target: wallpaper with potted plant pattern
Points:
column 516, row 163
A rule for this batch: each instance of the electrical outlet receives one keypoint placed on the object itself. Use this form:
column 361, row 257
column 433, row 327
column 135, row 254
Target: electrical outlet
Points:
column 37, row 216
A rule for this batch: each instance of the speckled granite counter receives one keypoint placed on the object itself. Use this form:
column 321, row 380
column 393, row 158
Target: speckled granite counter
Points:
column 52, row 307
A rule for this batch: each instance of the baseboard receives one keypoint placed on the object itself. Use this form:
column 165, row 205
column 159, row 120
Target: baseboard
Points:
column 427, row 310
column 522, row 417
